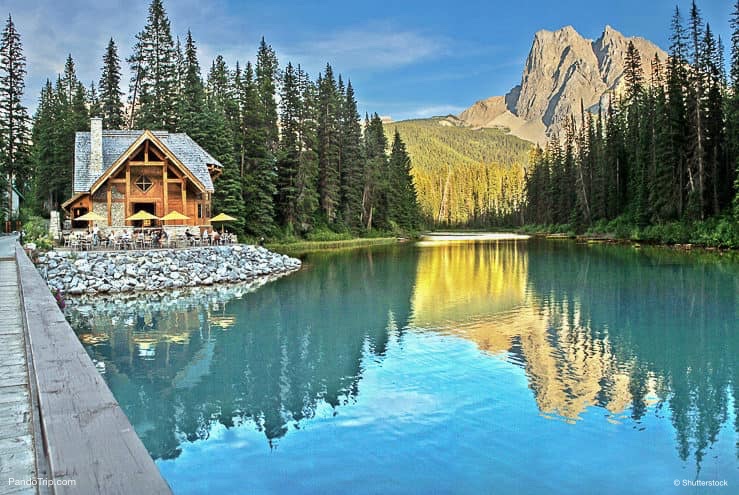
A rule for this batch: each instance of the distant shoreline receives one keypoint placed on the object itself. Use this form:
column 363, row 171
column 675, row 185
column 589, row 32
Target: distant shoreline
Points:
column 473, row 236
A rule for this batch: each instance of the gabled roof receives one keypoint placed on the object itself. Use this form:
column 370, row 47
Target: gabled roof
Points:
column 115, row 143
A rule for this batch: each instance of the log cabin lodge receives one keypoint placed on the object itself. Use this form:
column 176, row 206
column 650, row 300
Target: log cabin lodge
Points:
column 119, row 173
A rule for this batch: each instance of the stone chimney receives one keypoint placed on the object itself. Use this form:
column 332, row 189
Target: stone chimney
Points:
column 96, row 145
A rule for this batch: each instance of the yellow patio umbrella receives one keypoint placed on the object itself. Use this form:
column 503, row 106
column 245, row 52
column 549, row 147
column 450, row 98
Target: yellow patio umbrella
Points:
column 174, row 215
column 222, row 217
column 142, row 215
column 90, row 217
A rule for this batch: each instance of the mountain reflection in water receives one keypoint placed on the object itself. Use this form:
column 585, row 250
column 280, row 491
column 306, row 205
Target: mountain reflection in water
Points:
column 634, row 333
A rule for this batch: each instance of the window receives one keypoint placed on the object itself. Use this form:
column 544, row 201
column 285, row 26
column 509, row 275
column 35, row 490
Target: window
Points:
column 200, row 210
column 144, row 183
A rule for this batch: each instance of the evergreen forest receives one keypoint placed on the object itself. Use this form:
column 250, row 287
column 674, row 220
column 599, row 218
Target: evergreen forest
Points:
column 297, row 157
column 660, row 161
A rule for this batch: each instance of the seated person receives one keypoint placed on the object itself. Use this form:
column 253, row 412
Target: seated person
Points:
column 189, row 236
column 163, row 238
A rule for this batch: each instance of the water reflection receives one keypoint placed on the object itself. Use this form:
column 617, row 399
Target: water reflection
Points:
column 670, row 321
column 299, row 343
column 635, row 334
column 625, row 330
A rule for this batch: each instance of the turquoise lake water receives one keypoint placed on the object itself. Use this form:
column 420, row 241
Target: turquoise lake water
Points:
column 534, row 367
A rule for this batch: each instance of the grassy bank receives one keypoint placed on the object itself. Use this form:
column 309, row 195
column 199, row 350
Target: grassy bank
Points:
column 718, row 232
column 297, row 248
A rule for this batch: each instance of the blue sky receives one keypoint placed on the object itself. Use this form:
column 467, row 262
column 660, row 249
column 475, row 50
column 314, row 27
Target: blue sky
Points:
column 406, row 59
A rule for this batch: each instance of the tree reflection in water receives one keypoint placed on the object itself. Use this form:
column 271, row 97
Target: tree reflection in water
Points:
column 632, row 332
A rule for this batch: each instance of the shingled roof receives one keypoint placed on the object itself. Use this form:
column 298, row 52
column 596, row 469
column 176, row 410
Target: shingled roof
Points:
column 115, row 143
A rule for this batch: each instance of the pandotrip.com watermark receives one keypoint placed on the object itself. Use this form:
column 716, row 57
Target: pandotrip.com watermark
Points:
column 40, row 482
column 701, row 483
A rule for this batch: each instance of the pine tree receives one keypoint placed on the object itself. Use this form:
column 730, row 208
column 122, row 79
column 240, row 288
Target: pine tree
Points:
column 374, row 196
column 677, row 112
column 228, row 196
column 63, row 110
column 111, row 105
column 43, row 155
column 352, row 161
column 616, row 162
column 259, row 175
column 306, row 179
column 633, row 73
column 715, row 176
column 14, row 122
column 191, row 102
column 288, row 160
column 266, row 71
column 93, row 101
column 329, row 179
column 632, row 172
column 218, row 138
column 733, row 105
column 661, row 186
column 695, row 99
column 403, row 206
column 154, row 80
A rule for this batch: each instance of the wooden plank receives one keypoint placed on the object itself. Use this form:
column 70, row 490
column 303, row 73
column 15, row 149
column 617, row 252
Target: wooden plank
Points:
column 139, row 163
column 183, row 190
column 110, row 202
column 165, row 188
column 146, row 151
column 128, row 191
column 174, row 181
column 86, row 434
column 117, row 181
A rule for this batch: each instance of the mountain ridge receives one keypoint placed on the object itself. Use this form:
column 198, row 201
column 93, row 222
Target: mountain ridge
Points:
column 562, row 69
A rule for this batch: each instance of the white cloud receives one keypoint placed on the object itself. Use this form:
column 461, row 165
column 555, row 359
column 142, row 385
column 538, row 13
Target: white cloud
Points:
column 372, row 47
column 52, row 29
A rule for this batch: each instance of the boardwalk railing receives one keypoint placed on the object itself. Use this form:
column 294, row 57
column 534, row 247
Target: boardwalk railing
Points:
column 90, row 445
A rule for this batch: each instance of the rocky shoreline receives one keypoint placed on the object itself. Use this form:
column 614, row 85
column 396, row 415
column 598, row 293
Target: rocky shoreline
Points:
column 111, row 272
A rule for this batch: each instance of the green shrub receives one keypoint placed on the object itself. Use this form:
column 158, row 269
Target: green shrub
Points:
column 36, row 230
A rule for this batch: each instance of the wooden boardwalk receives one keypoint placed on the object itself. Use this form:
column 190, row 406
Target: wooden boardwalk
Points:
column 17, row 459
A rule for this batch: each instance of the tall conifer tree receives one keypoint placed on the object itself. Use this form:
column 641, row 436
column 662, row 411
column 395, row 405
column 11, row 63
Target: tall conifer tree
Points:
column 14, row 121
column 259, row 176
column 154, row 73
column 403, row 206
column 352, row 161
column 111, row 104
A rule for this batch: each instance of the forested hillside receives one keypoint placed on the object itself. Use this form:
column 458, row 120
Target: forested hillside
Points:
column 465, row 176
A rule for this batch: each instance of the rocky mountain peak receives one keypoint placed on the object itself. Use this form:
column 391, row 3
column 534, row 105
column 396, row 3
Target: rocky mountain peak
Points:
column 563, row 68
